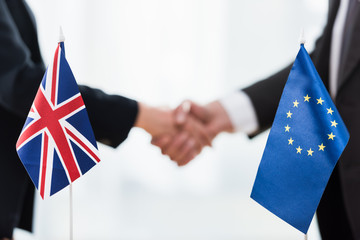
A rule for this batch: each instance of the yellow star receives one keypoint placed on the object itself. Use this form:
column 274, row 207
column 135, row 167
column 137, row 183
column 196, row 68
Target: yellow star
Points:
column 298, row 149
column 291, row 141
column 330, row 111
column 331, row 136
column 289, row 114
column 296, row 103
column 287, row 128
column 307, row 98
column 333, row 123
column 310, row 152
column 320, row 101
column 321, row 147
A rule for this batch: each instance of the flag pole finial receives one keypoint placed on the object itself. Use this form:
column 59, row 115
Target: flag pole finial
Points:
column 61, row 35
column 302, row 36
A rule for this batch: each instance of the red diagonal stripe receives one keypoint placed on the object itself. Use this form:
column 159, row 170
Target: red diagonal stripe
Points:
column 30, row 131
column 82, row 144
column 33, row 128
column 69, row 107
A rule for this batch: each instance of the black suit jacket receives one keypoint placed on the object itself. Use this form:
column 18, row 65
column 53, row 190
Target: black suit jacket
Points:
column 21, row 71
column 265, row 96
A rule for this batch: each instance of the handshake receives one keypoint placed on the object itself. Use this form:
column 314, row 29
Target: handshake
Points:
column 183, row 132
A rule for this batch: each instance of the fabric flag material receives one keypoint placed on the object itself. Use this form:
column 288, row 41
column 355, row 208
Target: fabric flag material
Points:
column 57, row 144
column 305, row 142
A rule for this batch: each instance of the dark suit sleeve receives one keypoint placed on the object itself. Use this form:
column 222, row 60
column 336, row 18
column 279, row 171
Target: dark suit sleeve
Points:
column 19, row 75
column 111, row 116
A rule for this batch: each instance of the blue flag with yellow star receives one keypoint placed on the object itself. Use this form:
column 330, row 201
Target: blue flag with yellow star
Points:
column 305, row 142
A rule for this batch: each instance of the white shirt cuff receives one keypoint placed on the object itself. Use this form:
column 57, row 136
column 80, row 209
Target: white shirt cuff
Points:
column 241, row 112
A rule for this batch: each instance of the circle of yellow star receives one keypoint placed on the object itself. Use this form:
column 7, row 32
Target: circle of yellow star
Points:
column 298, row 149
column 321, row 147
column 320, row 101
column 333, row 123
column 296, row 103
column 329, row 111
column 307, row 98
column 310, row 152
column 289, row 114
column 287, row 128
column 291, row 141
column 331, row 136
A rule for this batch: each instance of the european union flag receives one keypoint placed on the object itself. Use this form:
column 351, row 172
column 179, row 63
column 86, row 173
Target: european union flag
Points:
column 304, row 144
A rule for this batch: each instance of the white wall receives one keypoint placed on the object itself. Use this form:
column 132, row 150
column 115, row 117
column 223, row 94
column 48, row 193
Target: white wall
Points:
column 160, row 52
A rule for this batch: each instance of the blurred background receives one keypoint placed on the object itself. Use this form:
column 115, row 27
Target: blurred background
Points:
column 162, row 52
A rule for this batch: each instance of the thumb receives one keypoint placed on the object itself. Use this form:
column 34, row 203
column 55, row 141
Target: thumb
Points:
column 200, row 112
column 182, row 112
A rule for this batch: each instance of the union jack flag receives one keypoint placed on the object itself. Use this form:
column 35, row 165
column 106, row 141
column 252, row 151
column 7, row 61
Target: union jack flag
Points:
column 57, row 144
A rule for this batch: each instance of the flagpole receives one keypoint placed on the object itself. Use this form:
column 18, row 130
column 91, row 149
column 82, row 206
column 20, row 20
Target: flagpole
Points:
column 302, row 36
column 71, row 213
column 302, row 41
column 62, row 39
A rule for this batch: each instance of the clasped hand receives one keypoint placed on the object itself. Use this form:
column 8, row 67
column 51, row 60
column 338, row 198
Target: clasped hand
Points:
column 183, row 132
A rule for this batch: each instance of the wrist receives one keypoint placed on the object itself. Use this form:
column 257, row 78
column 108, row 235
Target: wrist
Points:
column 153, row 120
column 144, row 117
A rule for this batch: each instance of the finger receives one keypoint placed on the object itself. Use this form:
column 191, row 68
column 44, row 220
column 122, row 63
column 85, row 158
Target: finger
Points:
column 162, row 142
column 174, row 147
column 200, row 112
column 187, row 158
column 198, row 131
column 190, row 147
